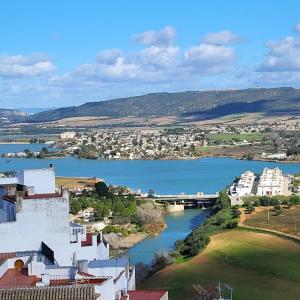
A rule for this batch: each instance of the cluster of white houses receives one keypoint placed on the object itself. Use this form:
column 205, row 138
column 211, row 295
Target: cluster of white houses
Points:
column 271, row 182
column 44, row 256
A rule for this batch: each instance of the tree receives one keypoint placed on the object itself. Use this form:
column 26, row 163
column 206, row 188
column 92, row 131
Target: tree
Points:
column 101, row 211
column 75, row 207
column 278, row 210
column 250, row 208
column 101, row 189
column 223, row 201
column 142, row 271
column 295, row 200
column 45, row 150
column 161, row 259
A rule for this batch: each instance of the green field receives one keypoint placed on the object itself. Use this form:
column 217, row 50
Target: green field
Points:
column 227, row 137
column 258, row 266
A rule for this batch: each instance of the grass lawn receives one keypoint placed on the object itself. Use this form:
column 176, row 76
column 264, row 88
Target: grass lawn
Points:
column 288, row 222
column 258, row 267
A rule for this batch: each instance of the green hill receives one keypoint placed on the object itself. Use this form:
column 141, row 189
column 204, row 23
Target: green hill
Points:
column 198, row 104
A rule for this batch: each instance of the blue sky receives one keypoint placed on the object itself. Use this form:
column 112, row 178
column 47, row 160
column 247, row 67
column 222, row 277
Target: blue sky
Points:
column 59, row 53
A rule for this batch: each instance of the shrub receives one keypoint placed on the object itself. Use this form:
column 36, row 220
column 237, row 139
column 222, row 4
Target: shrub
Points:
column 232, row 224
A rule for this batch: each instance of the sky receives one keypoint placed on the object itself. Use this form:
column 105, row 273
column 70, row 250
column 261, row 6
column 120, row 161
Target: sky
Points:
column 66, row 52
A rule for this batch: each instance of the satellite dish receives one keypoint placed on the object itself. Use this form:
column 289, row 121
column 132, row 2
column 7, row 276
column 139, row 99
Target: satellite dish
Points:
column 19, row 264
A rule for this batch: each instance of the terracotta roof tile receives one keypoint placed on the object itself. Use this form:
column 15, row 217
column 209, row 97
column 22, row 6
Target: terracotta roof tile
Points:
column 17, row 278
column 79, row 292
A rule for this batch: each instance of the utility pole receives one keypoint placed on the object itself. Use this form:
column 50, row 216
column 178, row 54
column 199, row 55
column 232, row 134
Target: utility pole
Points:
column 220, row 294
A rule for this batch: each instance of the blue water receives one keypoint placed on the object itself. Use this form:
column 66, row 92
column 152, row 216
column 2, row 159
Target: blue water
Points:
column 207, row 175
column 179, row 225
column 12, row 148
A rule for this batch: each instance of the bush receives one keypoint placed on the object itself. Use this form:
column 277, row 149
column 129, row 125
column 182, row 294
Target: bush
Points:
column 142, row 271
column 295, row 200
column 161, row 260
column 232, row 224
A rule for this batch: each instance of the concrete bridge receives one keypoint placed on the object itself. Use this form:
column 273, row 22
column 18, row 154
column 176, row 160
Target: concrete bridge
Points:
column 199, row 200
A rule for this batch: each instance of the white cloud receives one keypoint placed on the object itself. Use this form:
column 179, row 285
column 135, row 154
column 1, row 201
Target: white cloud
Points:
column 152, row 65
column 158, row 56
column 210, row 59
column 297, row 27
column 283, row 56
column 224, row 37
column 161, row 38
column 158, row 66
column 109, row 56
column 24, row 66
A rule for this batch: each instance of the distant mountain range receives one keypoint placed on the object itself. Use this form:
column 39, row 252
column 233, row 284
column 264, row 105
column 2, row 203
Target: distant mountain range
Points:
column 190, row 104
column 35, row 110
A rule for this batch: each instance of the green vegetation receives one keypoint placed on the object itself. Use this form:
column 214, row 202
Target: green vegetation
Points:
column 257, row 266
column 122, row 210
column 223, row 217
column 271, row 201
column 293, row 150
column 105, row 203
column 222, row 103
column 230, row 138
column 87, row 151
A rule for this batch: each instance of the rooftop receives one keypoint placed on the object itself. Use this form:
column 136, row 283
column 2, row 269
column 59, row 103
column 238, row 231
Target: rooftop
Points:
column 50, row 293
column 14, row 278
column 109, row 263
column 145, row 295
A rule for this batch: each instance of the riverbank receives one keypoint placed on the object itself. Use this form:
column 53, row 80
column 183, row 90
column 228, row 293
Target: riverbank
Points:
column 268, row 264
column 125, row 243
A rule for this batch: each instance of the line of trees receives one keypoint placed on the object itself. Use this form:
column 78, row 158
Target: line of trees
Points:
column 223, row 216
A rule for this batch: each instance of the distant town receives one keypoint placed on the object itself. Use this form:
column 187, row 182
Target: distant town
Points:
column 276, row 141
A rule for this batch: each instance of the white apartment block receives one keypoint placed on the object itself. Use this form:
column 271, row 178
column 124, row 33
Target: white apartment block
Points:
column 271, row 183
column 244, row 186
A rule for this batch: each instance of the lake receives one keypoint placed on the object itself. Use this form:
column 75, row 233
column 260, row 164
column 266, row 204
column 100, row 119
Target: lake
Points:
column 207, row 175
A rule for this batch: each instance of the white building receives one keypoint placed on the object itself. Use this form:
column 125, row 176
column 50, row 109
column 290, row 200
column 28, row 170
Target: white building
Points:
column 271, row 183
column 244, row 186
column 68, row 135
column 41, row 252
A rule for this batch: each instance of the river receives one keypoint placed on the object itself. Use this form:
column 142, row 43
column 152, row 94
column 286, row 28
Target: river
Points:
column 179, row 225
column 207, row 175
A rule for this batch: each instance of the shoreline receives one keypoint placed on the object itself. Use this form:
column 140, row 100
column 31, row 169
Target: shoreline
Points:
column 166, row 159
column 128, row 242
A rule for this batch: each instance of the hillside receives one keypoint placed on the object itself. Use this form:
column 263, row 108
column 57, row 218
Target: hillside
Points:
column 191, row 104
column 8, row 116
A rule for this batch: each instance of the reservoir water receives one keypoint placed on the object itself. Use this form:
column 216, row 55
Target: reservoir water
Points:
column 207, row 175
